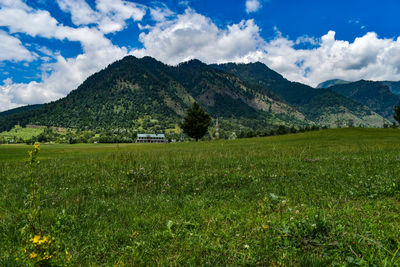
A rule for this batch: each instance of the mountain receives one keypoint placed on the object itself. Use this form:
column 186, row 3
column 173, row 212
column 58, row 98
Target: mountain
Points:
column 20, row 109
column 393, row 86
column 330, row 83
column 376, row 95
column 145, row 93
column 322, row 106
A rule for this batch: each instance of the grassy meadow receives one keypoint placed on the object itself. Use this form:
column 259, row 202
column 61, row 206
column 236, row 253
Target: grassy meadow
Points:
column 319, row 198
column 19, row 132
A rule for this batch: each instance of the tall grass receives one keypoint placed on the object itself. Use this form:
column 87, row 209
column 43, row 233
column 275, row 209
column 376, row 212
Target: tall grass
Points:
column 318, row 198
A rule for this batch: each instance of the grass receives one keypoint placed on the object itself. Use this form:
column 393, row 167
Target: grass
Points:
column 23, row 133
column 313, row 199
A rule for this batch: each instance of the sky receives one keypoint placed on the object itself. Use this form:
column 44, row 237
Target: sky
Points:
column 49, row 47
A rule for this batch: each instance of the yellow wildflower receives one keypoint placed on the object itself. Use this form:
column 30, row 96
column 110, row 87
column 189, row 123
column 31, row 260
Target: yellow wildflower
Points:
column 265, row 226
column 43, row 240
column 47, row 257
column 69, row 257
column 35, row 239
column 32, row 255
column 36, row 146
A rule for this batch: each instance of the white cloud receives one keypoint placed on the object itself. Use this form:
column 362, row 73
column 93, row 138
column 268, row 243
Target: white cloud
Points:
column 27, row 20
column 81, row 12
column 41, row 23
column 6, row 96
column 66, row 73
column 252, row 6
column 161, row 13
column 191, row 35
column 110, row 15
column 367, row 57
column 12, row 49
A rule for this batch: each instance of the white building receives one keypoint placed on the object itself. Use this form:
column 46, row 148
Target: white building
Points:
column 151, row 138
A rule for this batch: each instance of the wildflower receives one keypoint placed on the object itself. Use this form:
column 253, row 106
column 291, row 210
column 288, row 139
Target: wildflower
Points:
column 32, row 255
column 246, row 246
column 47, row 257
column 134, row 234
column 291, row 218
column 35, row 239
column 36, row 146
column 283, row 202
column 69, row 257
column 313, row 225
column 265, row 226
column 43, row 240
column 297, row 211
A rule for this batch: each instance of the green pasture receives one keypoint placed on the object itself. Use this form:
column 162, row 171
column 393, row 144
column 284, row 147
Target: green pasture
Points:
column 319, row 198
column 23, row 133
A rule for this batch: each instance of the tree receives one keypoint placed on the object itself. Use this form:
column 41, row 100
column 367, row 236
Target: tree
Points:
column 281, row 130
column 396, row 115
column 196, row 122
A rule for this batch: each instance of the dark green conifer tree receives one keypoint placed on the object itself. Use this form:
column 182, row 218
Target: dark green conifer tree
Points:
column 196, row 122
column 396, row 115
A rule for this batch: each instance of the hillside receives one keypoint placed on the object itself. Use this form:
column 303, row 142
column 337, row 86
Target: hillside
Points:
column 393, row 86
column 375, row 95
column 321, row 106
column 145, row 93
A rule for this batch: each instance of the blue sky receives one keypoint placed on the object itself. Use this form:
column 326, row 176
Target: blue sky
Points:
column 47, row 48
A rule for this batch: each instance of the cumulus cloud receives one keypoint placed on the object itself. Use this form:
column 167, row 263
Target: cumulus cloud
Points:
column 12, row 49
column 110, row 15
column 252, row 6
column 65, row 73
column 367, row 57
column 18, row 17
column 161, row 13
column 191, row 35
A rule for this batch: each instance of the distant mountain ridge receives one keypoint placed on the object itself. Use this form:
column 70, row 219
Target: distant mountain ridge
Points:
column 145, row 93
column 321, row 106
column 393, row 86
column 381, row 97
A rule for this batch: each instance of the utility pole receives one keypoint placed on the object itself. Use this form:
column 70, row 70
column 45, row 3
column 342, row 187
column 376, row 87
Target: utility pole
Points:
column 216, row 130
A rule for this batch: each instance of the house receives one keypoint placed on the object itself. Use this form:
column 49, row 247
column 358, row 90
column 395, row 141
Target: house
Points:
column 151, row 138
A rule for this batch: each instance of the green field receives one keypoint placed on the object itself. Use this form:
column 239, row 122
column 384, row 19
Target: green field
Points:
column 21, row 133
column 313, row 199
